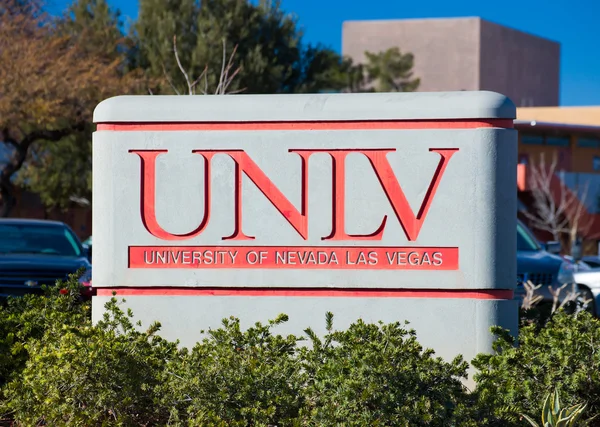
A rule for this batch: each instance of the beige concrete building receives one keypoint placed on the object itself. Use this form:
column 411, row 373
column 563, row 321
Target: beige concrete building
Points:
column 586, row 116
column 466, row 54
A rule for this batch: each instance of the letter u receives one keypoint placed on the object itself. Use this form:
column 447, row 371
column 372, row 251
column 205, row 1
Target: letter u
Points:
column 151, row 260
column 148, row 196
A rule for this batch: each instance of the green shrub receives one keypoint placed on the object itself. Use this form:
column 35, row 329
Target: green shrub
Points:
column 57, row 368
column 92, row 375
column 239, row 378
column 376, row 375
column 70, row 372
column 32, row 316
column 561, row 355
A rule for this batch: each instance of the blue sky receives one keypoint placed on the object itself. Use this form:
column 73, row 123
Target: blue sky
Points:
column 574, row 24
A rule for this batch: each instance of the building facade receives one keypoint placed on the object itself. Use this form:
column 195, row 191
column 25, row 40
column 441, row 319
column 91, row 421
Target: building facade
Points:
column 465, row 54
column 573, row 152
column 586, row 116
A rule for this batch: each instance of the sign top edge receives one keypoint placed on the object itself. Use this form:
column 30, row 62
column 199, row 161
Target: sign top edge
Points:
column 305, row 107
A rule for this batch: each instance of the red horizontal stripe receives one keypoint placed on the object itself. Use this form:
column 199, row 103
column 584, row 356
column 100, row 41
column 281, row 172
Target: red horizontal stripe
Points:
column 294, row 257
column 313, row 125
column 484, row 294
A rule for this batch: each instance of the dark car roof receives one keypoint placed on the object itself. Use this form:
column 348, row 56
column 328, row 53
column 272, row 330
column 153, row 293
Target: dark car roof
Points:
column 17, row 221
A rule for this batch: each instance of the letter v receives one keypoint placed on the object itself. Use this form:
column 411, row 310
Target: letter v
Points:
column 410, row 223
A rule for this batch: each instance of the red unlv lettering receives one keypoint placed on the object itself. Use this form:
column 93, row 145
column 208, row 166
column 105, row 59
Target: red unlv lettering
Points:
column 298, row 219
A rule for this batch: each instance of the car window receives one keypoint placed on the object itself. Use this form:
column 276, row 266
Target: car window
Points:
column 38, row 239
column 525, row 241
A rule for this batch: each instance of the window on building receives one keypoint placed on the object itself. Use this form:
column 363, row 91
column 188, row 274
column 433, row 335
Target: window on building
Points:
column 561, row 141
column 588, row 142
column 532, row 139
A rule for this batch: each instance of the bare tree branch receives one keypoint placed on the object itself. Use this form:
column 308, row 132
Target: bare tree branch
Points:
column 557, row 209
column 530, row 298
column 187, row 79
column 203, row 74
column 571, row 296
column 222, row 74
column 169, row 81
column 205, row 91
column 226, row 77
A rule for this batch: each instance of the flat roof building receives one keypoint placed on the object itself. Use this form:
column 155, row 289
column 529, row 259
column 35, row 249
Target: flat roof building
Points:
column 465, row 54
column 585, row 116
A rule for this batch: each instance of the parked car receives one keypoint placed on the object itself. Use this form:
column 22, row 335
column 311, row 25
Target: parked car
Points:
column 537, row 264
column 39, row 252
column 587, row 276
column 589, row 280
column 87, row 246
column 592, row 260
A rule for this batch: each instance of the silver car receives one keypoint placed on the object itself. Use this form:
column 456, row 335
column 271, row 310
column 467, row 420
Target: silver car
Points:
column 537, row 265
column 589, row 284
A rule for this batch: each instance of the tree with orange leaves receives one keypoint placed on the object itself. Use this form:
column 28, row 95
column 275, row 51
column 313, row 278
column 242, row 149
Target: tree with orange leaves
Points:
column 50, row 82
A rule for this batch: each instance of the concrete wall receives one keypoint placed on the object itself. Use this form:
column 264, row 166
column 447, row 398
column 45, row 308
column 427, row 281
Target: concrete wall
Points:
column 446, row 50
column 519, row 65
column 466, row 54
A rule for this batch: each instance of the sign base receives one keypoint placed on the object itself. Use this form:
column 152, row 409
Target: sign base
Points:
column 458, row 325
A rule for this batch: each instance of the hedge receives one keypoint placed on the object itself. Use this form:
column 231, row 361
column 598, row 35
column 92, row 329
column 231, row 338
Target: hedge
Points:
column 56, row 368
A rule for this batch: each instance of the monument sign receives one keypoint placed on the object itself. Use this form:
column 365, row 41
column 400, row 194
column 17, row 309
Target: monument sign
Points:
column 384, row 207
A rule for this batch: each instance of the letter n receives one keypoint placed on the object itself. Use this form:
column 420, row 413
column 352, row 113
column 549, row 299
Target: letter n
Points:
column 298, row 219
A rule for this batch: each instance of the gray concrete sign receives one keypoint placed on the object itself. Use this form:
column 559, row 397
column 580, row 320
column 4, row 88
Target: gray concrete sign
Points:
column 381, row 206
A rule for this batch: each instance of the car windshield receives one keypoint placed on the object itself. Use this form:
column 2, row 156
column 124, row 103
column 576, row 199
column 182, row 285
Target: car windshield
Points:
column 38, row 239
column 525, row 241
column 592, row 263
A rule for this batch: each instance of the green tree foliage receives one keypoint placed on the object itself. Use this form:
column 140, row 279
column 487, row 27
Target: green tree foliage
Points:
column 97, row 26
column 61, row 171
column 270, row 53
column 322, row 70
column 158, row 22
column 385, row 71
column 391, row 71
column 563, row 355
